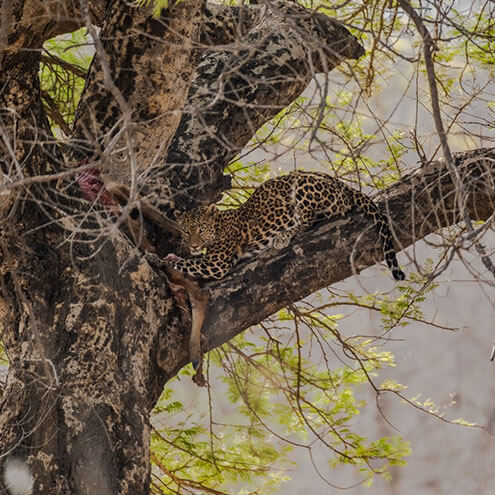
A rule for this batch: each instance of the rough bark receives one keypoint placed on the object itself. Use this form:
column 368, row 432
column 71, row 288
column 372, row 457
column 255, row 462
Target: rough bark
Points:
column 136, row 87
column 82, row 378
column 83, row 375
column 272, row 57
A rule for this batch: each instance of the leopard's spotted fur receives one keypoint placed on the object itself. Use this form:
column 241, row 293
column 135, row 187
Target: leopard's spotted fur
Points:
column 275, row 212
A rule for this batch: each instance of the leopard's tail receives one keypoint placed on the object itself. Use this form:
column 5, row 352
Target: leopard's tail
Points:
column 371, row 210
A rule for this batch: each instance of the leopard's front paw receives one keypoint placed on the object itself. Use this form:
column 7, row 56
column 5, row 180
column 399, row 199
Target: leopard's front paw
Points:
column 155, row 260
column 174, row 262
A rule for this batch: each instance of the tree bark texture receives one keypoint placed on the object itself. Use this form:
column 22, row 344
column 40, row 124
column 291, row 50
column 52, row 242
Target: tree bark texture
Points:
column 237, row 88
column 92, row 331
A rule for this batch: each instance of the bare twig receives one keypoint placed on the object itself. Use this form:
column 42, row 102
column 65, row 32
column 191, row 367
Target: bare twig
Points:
column 428, row 48
column 49, row 58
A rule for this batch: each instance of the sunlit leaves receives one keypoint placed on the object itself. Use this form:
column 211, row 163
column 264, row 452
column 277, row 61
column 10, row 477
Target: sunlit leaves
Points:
column 291, row 391
column 285, row 394
column 189, row 456
column 158, row 5
column 65, row 62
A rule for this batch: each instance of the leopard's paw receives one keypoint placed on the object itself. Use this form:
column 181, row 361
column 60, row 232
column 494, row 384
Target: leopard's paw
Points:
column 155, row 260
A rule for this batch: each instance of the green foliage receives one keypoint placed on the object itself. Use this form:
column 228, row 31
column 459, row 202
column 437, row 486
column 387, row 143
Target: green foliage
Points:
column 63, row 68
column 472, row 40
column 245, row 177
column 284, row 398
column 158, row 5
column 293, row 130
column 190, row 456
column 398, row 310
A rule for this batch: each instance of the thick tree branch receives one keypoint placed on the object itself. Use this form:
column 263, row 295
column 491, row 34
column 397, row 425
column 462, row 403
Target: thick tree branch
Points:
column 418, row 205
column 237, row 88
column 137, row 85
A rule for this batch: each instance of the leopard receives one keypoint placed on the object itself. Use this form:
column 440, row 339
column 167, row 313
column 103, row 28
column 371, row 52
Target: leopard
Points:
column 271, row 217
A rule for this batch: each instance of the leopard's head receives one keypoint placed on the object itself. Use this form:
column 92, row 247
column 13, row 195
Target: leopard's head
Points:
column 198, row 227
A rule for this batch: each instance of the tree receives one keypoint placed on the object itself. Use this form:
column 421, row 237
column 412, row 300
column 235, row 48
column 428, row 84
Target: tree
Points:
column 174, row 93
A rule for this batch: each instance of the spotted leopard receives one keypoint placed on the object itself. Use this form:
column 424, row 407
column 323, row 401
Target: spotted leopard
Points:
column 276, row 211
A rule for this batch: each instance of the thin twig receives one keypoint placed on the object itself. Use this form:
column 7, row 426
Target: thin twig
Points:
column 48, row 58
column 428, row 48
